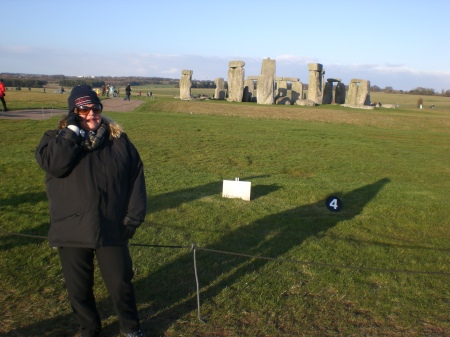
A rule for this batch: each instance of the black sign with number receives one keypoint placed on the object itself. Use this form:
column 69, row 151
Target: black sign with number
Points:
column 333, row 203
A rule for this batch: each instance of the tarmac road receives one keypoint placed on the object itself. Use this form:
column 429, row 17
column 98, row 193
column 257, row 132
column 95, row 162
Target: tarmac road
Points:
column 111, row 104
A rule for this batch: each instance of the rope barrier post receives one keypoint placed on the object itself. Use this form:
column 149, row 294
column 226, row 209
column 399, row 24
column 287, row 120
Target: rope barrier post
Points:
column 194, row 249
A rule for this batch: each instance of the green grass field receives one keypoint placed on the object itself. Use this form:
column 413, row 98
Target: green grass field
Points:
column 379, row 267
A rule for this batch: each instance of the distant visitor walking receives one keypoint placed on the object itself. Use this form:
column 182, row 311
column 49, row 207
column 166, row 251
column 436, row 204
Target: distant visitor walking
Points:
column 2, row 95
column 127, row 92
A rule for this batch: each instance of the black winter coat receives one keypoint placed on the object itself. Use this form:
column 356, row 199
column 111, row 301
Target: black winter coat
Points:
column 91, row 193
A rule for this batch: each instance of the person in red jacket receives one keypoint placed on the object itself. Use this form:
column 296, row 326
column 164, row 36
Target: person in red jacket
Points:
column 97, row 199
column 2, row 95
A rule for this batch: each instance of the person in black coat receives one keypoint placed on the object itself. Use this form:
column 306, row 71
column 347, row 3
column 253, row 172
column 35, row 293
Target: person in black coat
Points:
column 97, row 199
column 127, row 92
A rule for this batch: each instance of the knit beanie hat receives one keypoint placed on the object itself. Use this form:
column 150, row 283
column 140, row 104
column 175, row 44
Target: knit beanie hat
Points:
column 82, row 95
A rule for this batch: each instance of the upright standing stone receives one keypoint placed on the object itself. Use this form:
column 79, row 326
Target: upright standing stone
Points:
column 315, row 84
column 287, row 87
column 363, row 97
column 219, row 92
column 266, row 82
column 358, row 93
column 352, row 92
column 249, row 90
column 282, row 87
column 236, row 76
column 252, row 84
column 186, row 84
column 297, row 91
column 328, row 93
column 339, row 95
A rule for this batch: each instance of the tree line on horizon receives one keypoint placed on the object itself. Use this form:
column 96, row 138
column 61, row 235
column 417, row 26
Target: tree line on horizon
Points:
column 17, row 80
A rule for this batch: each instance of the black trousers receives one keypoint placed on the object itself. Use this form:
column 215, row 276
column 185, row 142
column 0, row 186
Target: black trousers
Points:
column 117, row 272
column 4, row 103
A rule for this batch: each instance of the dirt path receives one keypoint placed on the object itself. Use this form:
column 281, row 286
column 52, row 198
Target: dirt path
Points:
column 112, row 104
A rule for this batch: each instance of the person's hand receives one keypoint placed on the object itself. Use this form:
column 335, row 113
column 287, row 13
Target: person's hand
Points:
column 72, row 123
column 72, row 119
column 129, row 231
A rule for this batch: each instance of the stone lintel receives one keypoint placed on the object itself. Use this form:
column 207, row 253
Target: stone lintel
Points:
column 356, row 80
column 315, row 67
column 334, row 80
column 253, row 78
column 287, row 79
column 236, row 64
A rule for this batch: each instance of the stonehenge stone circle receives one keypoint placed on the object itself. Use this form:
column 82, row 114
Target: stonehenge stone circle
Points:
column 268, row 89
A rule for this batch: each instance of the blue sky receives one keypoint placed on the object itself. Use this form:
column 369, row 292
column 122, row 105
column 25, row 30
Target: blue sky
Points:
column 402, row 44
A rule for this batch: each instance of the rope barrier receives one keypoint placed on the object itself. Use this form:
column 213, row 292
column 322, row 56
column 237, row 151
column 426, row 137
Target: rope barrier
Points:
column 196, row 248
column 158, row 246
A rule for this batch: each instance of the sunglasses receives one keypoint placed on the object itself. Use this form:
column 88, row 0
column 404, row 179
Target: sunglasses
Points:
column 84, row 110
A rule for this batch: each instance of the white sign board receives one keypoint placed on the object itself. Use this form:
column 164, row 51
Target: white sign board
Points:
column 237, row 189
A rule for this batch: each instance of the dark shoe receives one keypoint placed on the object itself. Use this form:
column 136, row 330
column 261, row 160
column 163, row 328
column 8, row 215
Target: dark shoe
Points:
column 96, row 335
column 137, row 333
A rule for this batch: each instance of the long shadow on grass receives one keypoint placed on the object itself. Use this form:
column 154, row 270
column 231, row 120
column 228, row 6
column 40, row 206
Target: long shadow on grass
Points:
column 176, row 198
column 55, row 327
column 17, row 199
column 171, row 289
column 11, row 203
column 23, row 237
column 167, row 294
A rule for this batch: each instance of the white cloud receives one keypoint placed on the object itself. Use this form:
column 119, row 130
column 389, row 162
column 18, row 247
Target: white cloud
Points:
column 16, row 49
column 171, row 71
column 23, row 59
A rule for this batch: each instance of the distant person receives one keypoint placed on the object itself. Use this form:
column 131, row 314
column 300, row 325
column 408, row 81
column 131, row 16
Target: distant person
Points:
column 62, row 90
column 97, row 198
column 127, row 92
column 2, row 95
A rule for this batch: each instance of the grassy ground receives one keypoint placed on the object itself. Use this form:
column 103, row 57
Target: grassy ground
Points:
column 390, row 168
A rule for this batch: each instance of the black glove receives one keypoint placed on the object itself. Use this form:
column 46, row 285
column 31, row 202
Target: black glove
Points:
column 129, row 231
column 72, row 120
